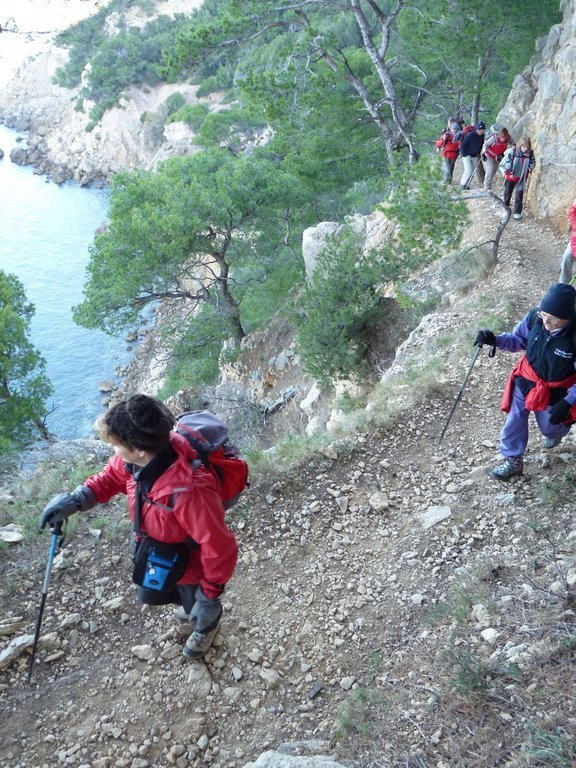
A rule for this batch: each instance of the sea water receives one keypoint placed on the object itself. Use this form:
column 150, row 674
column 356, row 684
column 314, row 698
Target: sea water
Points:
column 45, row 233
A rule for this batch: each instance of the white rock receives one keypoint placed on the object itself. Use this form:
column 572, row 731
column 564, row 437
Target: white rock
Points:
column 14, row 649
column 490, row 635
column 11, row 533
column 272, row 759
column 347, row 682
column 480, row 615
column 115, row 604
column 308, row 402
column 434, row 515
column 378, row 501
column 143, row 652
column 417, row 599
column 199, row 680
column 557, row 588
column 270, row 676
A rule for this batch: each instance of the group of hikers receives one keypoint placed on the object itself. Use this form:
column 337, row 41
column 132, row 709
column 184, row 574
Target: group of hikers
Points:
column 176, row 501
column 483, row 153
column 543, row 381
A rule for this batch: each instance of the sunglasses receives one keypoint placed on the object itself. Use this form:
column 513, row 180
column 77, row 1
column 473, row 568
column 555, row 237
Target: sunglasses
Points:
column 553, row 322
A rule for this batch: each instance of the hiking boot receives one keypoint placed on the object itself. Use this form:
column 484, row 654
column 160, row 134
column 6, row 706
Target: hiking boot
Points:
column 198, row 643
column 552, row 442
column 517, row 216
column 508, row 469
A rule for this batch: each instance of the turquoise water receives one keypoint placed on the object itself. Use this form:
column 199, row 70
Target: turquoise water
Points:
column 45, row 233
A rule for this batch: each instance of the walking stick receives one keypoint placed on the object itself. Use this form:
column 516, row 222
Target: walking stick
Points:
column 459, row 395
column 56, row 533
column 467, row 185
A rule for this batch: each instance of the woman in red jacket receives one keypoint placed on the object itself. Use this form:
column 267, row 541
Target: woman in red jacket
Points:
column 449, row 147
column 493, row 152
column 569, row 255
column 167, row 501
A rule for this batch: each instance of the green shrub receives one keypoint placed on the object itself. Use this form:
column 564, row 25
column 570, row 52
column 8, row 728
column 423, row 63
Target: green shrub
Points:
column 174, row 102
column 191, row 114
column 337, row 308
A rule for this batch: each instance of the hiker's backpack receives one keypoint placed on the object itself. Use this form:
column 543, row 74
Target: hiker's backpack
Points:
column 509, row 153
column 208, row 435
column 492, row 130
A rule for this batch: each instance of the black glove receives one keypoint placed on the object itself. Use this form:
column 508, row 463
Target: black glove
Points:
column 65, row 504
column 559, row 412
column 485, row 337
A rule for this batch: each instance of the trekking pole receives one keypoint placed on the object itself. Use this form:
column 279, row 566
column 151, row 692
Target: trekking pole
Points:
column 461, row 392
column 56, row 533
column 467, row 185
column 527, row 185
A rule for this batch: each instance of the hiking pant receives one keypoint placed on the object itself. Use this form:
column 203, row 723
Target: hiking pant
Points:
column 471, row 165
column 490, row 167
column 566, row 265
column 518, row 197
column 448, row 164
column 514, row 435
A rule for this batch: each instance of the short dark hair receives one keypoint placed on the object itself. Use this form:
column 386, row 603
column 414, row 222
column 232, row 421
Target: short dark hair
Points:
column 141, row 422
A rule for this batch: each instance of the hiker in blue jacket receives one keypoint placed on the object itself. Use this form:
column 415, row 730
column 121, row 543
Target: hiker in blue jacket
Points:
column 470, row 151
column 544, row 378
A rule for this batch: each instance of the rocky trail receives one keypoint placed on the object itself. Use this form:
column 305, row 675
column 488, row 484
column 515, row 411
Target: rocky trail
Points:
column 393, row 605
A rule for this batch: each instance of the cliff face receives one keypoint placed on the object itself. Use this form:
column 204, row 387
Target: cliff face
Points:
column 128, row 136
column 542, row 106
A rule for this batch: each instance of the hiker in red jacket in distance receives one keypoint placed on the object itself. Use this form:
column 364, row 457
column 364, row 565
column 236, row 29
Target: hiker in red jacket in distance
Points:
column 449, row 146
column 569, row 255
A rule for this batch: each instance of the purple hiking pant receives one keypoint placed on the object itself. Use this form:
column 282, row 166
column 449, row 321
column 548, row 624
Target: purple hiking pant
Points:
column 514, row 436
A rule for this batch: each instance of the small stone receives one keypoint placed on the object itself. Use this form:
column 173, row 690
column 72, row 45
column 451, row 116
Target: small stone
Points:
column 143, row 652
column 417, row 599
column 315, row 690
column 271, row 677
column 489, row 635
column 347, row 682
column 114, row 604
column 378, row 501
column 433, row 516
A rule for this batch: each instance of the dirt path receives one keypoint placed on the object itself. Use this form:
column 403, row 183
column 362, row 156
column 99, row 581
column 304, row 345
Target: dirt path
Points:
column 351, row 627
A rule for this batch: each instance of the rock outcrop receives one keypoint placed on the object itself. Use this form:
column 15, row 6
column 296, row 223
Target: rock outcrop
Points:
column 542, row 105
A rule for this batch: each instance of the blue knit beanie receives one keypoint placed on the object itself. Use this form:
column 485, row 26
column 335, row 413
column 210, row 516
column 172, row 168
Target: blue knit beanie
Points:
column 560, row 301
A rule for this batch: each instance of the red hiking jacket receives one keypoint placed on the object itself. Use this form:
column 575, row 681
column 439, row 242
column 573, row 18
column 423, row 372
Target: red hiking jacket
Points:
column 448, row 146
column 572, row 219
column 188, row 504
column 538, row 399
column 495, row 147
